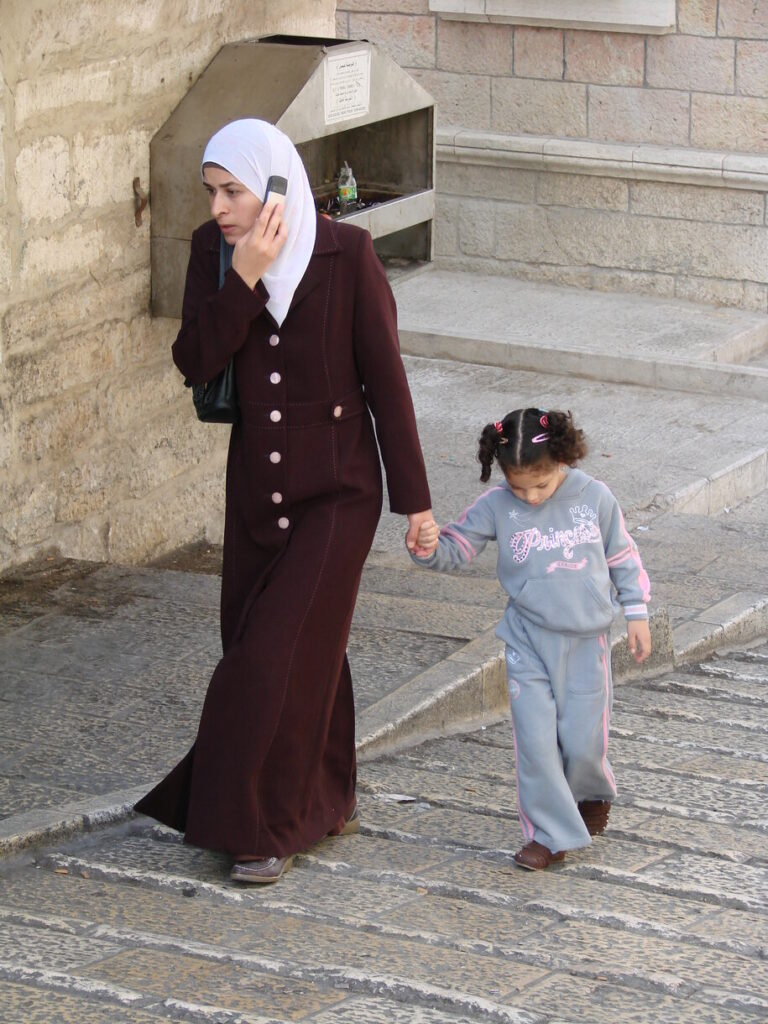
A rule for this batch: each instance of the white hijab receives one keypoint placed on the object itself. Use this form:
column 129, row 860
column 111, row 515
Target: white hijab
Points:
column 252, row 151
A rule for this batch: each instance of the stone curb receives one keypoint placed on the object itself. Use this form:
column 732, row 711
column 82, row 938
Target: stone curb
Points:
column 52, row 824
column 469, row 689
column 474, row 694
column 677, row 375
column 735, row 620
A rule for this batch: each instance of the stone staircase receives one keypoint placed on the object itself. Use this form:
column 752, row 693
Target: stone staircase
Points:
column 423, row 917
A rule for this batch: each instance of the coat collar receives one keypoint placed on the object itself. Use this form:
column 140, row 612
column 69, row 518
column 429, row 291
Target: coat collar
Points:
column 326, row 244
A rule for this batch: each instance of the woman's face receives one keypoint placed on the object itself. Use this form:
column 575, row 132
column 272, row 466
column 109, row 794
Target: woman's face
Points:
column 233, row 206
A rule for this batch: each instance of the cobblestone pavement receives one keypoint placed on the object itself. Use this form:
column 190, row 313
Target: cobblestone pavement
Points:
column 423, row 918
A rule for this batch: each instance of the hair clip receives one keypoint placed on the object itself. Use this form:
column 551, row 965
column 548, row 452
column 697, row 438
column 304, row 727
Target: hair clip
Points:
column 498, row 425
column 544, row 421
column 539, row 438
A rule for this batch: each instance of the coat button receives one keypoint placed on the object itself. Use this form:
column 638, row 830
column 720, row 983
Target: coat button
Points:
column 274, row 340
column 283, row 523
column 337, row 411
column 277, row 497
column 275, row 457
column 275, row 415
column 275, row 378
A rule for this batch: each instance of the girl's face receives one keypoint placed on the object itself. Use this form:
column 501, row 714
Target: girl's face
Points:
column 233, row 206
column 534, row 484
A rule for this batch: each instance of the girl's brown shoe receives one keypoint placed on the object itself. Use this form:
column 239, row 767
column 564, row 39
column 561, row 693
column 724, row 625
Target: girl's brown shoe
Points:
column 595, row 814
column 535, row 857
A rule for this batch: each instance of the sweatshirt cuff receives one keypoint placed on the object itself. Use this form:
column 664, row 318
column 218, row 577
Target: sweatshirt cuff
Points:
column 635, row 611
column 429, row 561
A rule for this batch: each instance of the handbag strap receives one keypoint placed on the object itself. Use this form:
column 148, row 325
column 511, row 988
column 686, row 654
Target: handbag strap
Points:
column 225, row 259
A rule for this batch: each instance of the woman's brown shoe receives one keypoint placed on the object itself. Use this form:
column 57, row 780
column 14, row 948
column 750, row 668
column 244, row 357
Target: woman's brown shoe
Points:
column 595, row 814
column 260, row 872
column 349, row 826
column 535, row 857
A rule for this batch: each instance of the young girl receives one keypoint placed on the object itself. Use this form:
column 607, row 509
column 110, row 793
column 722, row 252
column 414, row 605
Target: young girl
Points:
column 562, row 545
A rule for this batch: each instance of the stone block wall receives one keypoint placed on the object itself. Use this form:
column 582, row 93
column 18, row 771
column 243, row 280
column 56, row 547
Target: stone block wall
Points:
column 101, row 456
column 603, row 159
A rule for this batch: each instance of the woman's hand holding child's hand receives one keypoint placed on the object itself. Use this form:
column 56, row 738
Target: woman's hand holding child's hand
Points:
column 258, row 248
column 423, row 532
column 639, row 639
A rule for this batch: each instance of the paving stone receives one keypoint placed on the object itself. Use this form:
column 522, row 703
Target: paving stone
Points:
column 693, row 735
column 17, row 795
column 419, row 615
column 675, row 792
column 215, row 984
column 568, row 894
column 365, row 851
column 700, row 836
column 457, row 918
column 737, row 928
column 706, row 710
column 453, row 827
column 23, row 1004
column 468, row 827
column 252, row 928
column 375, row 1011
column 584, row 999
column 636, row 753
column 50, row 950
column 722, row 880
column 737, row 670
column 456, row 589
column 383, row 778
column 616, row 954
column 712, row 682
column 460, row 756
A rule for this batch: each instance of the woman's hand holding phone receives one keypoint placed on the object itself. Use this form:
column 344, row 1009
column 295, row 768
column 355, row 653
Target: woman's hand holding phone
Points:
column 258, row 248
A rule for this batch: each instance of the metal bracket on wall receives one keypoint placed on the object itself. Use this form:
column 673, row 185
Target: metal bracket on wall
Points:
column 140, row 200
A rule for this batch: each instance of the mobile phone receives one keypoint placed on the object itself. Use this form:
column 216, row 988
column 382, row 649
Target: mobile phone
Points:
column 277, row 188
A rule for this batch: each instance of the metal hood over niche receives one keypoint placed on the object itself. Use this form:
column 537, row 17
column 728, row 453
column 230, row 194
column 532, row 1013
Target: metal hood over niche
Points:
column 338, row 101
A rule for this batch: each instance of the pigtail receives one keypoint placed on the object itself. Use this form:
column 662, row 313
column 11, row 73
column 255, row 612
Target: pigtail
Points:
column 488, row 448
column 566, row 442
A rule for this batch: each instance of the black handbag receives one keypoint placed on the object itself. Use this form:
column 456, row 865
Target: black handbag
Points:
column 216, row 401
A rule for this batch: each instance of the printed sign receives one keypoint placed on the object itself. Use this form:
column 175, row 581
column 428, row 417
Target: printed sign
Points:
column 347, row 85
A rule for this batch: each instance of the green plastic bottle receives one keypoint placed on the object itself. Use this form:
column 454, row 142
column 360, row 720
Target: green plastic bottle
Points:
column 347, row 188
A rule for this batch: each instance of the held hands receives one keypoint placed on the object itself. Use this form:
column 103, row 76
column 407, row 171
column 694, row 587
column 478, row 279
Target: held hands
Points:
column 639, row 639
column 423, row 531
column 258, row 248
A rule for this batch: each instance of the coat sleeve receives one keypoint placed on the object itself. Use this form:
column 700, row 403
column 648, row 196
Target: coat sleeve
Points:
column 633, row 588
column 377, row 352
column 214, row 323
column 464, row 539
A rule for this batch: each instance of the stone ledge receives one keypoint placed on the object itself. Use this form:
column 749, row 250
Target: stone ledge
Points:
column 652, row 16
column 608, row 160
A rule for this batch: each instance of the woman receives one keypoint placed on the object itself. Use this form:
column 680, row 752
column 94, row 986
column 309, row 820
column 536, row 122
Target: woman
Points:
column 308, row 315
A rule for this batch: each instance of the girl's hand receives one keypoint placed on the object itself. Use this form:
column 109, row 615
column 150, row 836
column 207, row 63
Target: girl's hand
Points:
column 258, row 248
column 639, row 639
column 423, row 531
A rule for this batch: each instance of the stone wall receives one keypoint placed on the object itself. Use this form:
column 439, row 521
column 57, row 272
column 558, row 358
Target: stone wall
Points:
column 602, row 159
column 100, row 454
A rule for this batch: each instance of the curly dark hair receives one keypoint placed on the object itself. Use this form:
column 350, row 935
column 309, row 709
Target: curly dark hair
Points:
column 528, row 436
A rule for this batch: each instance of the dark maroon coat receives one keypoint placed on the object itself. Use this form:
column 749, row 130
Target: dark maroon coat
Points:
column 273, row 767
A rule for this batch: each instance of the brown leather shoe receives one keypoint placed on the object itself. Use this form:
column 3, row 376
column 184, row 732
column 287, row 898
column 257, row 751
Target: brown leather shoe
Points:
column 535, row 856
column 260, row 872
column 595, row 814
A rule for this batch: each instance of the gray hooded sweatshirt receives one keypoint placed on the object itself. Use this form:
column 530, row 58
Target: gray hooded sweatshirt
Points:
column 560, row 561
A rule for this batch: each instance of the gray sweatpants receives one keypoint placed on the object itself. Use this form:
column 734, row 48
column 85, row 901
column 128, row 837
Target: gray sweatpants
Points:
column 561, row 693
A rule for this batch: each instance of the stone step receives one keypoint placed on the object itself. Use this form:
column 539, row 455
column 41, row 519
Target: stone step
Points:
column 622, row 338
column 159, row 918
